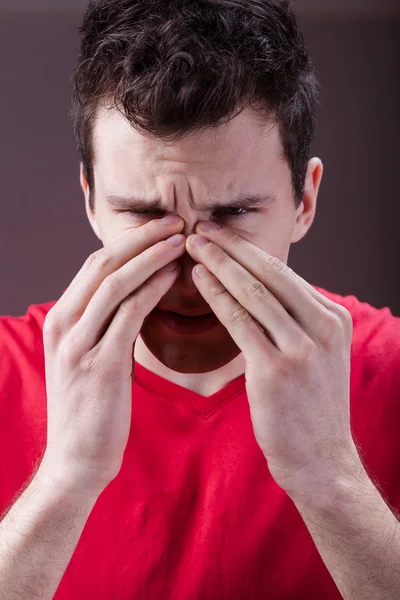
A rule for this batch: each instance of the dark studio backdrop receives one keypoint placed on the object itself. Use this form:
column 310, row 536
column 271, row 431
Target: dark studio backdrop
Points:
column 353, row 246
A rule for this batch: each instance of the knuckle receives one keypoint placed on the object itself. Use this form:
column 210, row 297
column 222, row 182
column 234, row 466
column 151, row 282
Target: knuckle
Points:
column 51, row 326
column 271, row 263
column 111, row 283
column 68, row 351
column 240, row 315
column 100, row 260
column 345, row 316
column 255, row 289
column 130, row 305
column 341, row 312
column 220, row 257
column 217, row 289
column 303, row 354
column 331, row 326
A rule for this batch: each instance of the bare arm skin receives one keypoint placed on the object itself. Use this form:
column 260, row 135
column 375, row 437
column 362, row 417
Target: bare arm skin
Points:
column 38, row 537
column 357, row 536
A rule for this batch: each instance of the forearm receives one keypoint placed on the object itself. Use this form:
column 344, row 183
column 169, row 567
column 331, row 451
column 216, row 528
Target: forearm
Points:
column 38, row 537
column 358, row 538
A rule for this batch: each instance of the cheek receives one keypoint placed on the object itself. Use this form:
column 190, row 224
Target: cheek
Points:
column 112, row 226
column 272, row 238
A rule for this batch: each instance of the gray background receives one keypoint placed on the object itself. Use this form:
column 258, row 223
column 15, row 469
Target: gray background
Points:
column 352, row 247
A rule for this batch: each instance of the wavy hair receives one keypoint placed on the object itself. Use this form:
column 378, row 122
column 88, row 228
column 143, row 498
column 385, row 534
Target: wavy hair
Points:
column 176, row 66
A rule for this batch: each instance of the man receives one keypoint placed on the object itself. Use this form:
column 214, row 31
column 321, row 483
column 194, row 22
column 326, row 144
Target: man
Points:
column 192, row 419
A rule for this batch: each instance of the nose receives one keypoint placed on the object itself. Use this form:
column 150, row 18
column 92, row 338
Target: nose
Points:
column 190, row 224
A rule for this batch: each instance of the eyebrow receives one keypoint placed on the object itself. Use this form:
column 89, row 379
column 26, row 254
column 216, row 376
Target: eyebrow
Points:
column 142, row 205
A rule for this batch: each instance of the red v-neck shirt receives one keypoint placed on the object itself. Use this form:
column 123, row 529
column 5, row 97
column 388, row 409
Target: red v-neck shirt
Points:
column 194, row 513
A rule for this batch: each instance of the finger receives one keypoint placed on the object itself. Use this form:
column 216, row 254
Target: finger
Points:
column 239, row 248
column 120, row 337
column 252, row 295
column 240, row 324
column 298, row 297
column 115, row 288
column 105, row 261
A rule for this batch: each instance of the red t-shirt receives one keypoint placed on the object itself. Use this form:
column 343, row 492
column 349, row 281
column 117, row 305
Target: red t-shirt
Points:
column 194, row 513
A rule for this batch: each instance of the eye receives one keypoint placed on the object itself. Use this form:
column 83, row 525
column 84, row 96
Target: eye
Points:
column 235, row 211
column 227, row 212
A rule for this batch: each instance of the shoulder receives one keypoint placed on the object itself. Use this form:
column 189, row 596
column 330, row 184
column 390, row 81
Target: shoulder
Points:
column 24, row 328
column 370, row 323
column 21, row 339
column 375, row 350
column 22, row 398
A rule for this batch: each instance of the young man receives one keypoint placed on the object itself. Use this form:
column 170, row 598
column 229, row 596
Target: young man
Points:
column 221, row 430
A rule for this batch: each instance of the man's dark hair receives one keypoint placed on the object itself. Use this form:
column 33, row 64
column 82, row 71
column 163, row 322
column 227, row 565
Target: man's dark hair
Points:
column 174, row 67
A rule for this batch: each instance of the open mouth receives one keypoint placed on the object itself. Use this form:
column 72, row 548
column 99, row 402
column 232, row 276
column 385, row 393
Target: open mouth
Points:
column 183, row 324
column 172, row 312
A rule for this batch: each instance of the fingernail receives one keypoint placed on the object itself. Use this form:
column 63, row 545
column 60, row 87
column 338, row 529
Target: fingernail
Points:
column 176, row 240
column 170, row 220
column 198, row 241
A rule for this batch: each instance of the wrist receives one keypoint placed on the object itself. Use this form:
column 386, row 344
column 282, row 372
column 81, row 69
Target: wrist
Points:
column 60, row 485
column 335, row 489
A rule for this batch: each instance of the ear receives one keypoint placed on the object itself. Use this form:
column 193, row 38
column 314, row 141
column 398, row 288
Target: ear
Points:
column 86, row 191
column 306, row 212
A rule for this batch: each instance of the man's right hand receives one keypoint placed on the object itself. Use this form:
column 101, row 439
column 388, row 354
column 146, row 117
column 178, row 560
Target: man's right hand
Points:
column 89, row 338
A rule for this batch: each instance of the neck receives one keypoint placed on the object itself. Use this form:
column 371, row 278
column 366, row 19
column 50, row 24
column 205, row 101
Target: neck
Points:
column 205, row 384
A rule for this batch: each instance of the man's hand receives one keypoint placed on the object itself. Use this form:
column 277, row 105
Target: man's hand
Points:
column 296, row 344
column 89, row 337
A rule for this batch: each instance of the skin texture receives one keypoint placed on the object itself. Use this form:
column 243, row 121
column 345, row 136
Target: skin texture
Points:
column 240, row 157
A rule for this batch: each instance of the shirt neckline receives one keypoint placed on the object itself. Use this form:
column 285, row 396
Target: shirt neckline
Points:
column 205, row 405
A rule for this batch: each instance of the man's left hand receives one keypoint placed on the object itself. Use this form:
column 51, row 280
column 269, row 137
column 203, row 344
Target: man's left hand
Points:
column 296, row 345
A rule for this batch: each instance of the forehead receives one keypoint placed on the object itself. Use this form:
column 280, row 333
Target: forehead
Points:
column 225, row 147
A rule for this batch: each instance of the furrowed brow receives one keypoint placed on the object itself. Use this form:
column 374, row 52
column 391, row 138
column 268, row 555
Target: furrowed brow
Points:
column 141, row 204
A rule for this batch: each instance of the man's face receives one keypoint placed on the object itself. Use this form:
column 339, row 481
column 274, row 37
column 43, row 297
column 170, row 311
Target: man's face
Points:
column 190, row 176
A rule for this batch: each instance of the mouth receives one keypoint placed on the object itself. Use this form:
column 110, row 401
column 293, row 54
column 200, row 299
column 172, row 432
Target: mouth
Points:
column 183, row 323
column 187, row 314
